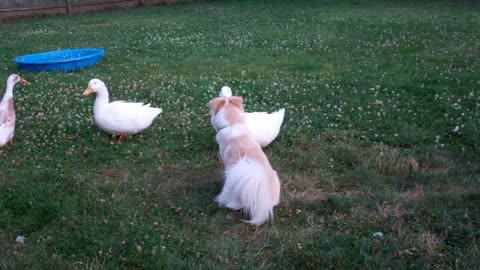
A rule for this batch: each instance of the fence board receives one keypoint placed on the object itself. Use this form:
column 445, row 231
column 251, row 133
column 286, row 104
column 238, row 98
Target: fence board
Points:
column 20, row 8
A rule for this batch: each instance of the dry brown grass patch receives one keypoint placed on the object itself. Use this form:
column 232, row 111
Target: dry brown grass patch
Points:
column 411, row 195
column 393, row 161
column 429, row 244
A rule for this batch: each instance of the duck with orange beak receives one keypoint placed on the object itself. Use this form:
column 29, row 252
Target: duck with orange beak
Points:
column 119, row 118
column 7, row 112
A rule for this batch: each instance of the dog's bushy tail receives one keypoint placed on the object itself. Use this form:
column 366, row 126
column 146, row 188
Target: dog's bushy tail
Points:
column 248, row 182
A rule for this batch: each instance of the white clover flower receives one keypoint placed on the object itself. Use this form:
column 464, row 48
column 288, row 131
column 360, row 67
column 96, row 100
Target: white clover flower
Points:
column 20, row 239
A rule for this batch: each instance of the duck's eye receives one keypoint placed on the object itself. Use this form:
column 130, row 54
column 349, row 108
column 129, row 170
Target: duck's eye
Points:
column 94, row 82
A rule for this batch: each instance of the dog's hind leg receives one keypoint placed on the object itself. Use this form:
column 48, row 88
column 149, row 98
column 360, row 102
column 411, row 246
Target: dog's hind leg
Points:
column 227, row 199
column 234, row 204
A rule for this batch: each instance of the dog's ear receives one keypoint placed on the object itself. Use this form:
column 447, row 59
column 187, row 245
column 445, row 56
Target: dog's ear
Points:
column 237, row 101
column 216, row 104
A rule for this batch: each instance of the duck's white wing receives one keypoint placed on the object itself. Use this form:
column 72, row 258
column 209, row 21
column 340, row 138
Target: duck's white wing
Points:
column 265, row 126
column 126, row 117
column 3, row 117
column 7, row 126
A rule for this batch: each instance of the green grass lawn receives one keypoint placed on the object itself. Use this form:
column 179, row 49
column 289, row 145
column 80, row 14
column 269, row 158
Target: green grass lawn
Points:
column 373, row 91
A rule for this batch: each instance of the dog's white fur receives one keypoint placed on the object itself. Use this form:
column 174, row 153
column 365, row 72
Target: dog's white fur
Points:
column 251, row 185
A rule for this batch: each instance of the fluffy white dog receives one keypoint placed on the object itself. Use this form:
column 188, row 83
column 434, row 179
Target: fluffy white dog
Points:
column 251, row 185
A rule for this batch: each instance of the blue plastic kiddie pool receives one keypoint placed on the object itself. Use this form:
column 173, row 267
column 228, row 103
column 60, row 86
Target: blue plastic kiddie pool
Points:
column 65, row 60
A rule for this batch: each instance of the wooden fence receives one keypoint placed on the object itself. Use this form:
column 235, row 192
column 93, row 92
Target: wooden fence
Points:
column 20, row 8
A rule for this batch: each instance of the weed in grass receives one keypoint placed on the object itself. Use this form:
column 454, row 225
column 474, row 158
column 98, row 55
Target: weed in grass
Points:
column 392, row 162
column 429, row 244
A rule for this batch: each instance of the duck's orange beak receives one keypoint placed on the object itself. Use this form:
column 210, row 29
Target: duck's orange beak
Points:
column 87, row 91
column 22, row 80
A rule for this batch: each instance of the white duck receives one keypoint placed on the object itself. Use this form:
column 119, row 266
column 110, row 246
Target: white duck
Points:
column 7, row 113
column 119, row 118
column 264, row 126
